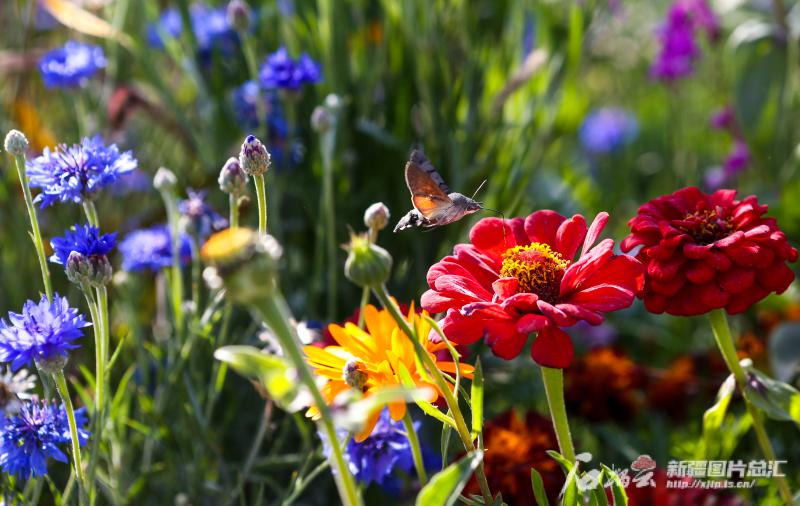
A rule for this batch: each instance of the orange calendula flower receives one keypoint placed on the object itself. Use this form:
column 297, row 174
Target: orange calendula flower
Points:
column 371, row 359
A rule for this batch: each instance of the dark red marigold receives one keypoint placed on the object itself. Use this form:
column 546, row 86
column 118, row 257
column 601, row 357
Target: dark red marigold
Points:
column 518, row 276
column 705, row 252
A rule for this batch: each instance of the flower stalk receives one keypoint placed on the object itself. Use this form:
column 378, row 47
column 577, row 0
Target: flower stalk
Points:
column 554, row 388
column 36, row 234
column 261, row 197
column 63, row 390
column 722, row 334
column 176, row 275
column 441, row 383
column 416, row 452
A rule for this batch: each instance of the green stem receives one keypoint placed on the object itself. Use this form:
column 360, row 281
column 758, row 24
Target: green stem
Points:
column 261, row 196
column 441, row 383
column 37, row 235
column 63, row 390
column 266, row 416
column 91, row 213
column 364, row 301
column 416, row 452
column 233, row 203
column 722, row 334
column 176, row 277
column 554, row 388
column 276, row 314
column 329, row 211
column 196, row 269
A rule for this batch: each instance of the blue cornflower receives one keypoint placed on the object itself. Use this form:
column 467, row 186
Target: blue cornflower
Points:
column 280, row 71
column 35, row 434
column 85, row 239
column 71, row 65
column 44, row 332
column 210, row 26
column 151, row 249
column 199, row 217
column 385, row 450
column 607, row 129
column 76, row 173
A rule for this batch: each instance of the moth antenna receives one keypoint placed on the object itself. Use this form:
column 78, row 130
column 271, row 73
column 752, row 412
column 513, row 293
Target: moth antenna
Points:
column 479, row 189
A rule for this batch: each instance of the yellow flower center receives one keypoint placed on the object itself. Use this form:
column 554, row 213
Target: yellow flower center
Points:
column 537, row 268
column 226, row 244
column 707, row 226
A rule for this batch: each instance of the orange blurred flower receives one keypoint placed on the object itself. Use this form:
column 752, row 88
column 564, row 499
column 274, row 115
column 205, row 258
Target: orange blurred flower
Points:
column 370, row 360
column 30, row 123
column 668, row 392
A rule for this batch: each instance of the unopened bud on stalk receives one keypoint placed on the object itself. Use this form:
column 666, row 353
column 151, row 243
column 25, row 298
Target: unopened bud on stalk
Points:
column 16, row 143
column 254, row 157
column 239, row 14
column 321, row 119
column 232, row 178
column 164, row 180
column 52, row 365
column 367, row 264
column 94, row 270
column 243, row 262
column 376, row 217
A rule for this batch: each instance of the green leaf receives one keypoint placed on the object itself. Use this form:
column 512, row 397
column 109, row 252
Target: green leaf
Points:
column 571, row 494
column 599, row 492
column 715, row 415
column 274, row 373
column 538, row 488
column 566, row 465
column 476, row 394
column 617, row 489
column 778, row 400
column 445, row 486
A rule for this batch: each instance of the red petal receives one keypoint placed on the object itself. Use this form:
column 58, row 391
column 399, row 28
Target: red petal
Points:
column 569, row 236
column 594, row 231
column 532, row 323
column 552, row 348
column 700, row 272
column 736, row 280
column 776, row 278
column 461, row 330
column 505, row 287
column 555, row 314
column 524, row 302
column 493, row 235
column 604, row 298
column 542, row 226
column 581, row 313
column 506, row 342
column 434, row 302
column 576, row 274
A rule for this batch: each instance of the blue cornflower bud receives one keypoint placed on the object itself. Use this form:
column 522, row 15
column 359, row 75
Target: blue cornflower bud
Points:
column 16, row 143
column 254, row 157
column 232, row 178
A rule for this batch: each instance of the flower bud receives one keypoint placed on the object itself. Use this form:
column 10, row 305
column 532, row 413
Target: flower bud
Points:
column 95, row 270
column 52, row 365
column 321, row 119
column 239, row 14
column 100, row 270
column 165, row 180
column 232, row 178
column 353, row 374
column 367, row 264
column 16, row 143
column 333, row 102
column 242, row 262
column 78, row 268
column 376, row 217
column 254, row 157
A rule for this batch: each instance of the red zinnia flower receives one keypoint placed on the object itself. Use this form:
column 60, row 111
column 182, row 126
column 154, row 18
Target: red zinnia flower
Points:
column 518, row 276
column 706, row 252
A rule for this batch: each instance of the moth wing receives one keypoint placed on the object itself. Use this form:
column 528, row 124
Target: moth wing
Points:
column 418, row 158
column 426, row 195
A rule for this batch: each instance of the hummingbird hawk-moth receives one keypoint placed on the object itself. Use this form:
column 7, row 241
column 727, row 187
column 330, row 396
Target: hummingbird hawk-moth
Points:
column 434, row 203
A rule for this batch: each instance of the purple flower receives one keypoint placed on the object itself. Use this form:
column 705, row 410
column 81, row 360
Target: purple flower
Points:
column 169, row 24
column 738, row 159
column 280, row 71
column 679, row 48
column 42, row 332
column 38, row 432
column 76, row 173
column 72, row 65
column 199, row 216
column 724, row 118
column 385, row 450
column 151, row 249
column 210, row 27
column 85, row 239
column 608, row 129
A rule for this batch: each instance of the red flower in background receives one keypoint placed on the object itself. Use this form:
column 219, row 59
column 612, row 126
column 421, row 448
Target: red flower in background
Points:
column 708, row 251
column 518, row 276
column 660, row 495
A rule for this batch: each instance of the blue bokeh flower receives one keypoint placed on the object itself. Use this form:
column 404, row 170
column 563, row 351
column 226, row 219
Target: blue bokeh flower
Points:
column 71, row 65
column 151, row 249
column 42, row 332
column 280, row 71
column 210, row 26
column 607, row 129
column 36, row 433
column 386, row 449
column 76, row 173
column 248, row 101
column 198, row 216
column 85, row 239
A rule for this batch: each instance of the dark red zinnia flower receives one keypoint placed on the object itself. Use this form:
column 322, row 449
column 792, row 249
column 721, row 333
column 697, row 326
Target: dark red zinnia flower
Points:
column 518, row 276
column 708, row 251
